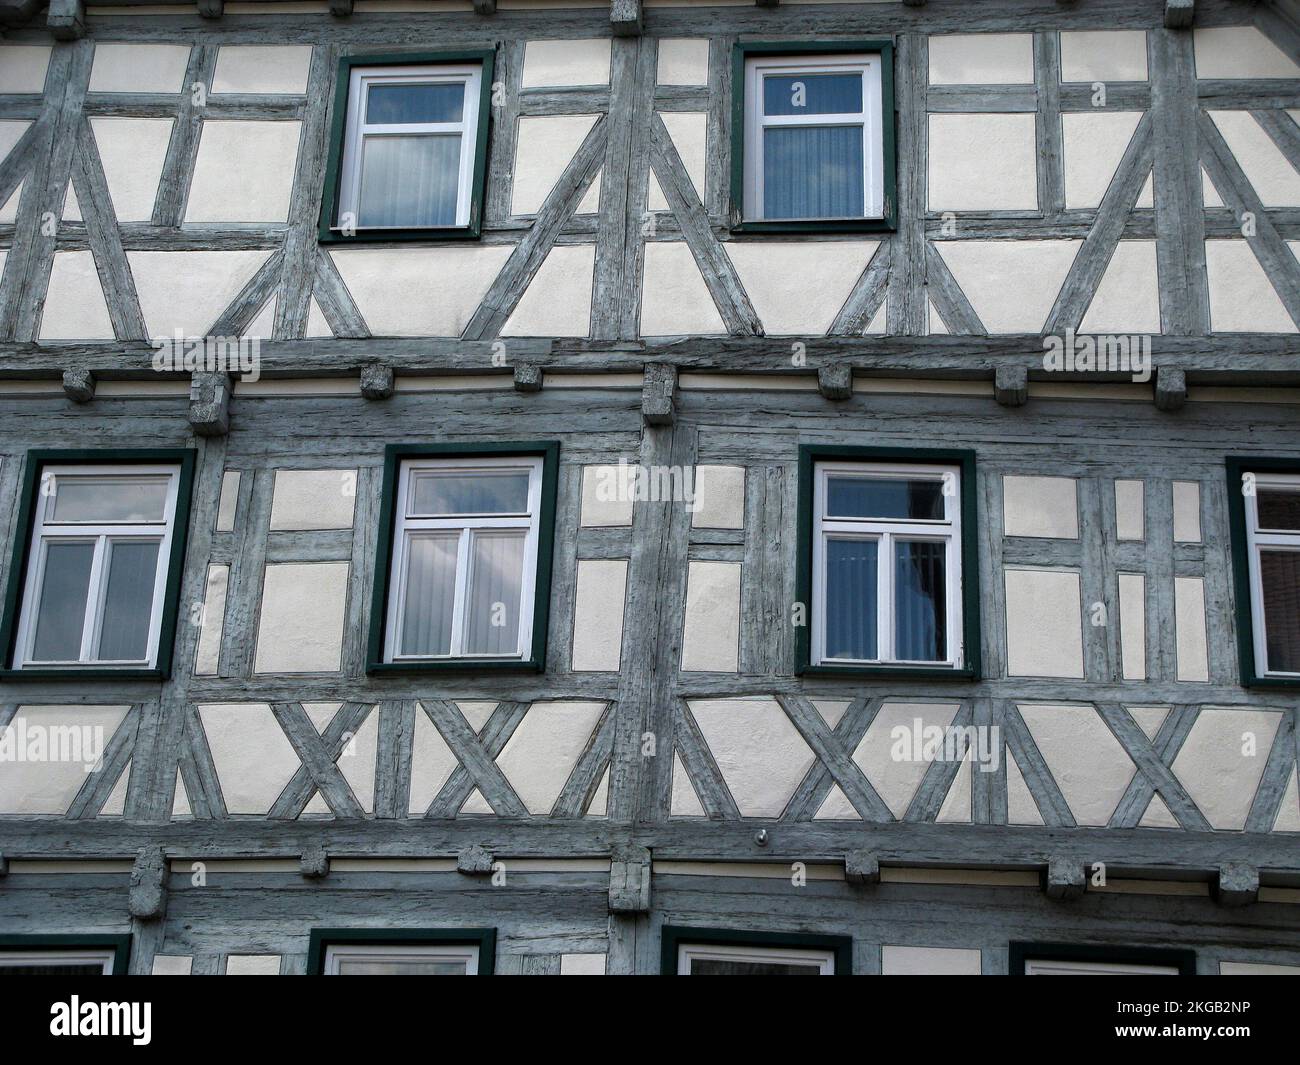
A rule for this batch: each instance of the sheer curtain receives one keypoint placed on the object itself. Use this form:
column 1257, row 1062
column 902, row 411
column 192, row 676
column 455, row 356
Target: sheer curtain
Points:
column 920, row 621
column 430, row 595
column 497, row 577
column 128, row 600
column 851, row 597
column 409, row 180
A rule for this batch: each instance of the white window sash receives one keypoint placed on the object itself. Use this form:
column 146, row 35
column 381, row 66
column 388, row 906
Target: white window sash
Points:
column 887, row 533
column 12, row 959
column 46, row 531
column 335, row 955
column 357, row 130
column 1256, row 543
column 871, row 118
column 690, row 952
column 465, row 526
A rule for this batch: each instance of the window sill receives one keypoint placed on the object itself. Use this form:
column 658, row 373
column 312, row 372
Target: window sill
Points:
column 387, row 236
column 457, row 665
column 832, row 225
column 927, row 672
column 1271, row 682
column 88, row 673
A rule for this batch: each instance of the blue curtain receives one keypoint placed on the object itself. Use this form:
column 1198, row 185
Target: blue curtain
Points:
column 812, row 94
column 920, row 602
column 851, row 598
column 1280, row 577
column 813, row 172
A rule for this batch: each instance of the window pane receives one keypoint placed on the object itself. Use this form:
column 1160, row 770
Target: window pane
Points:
column 1278, row 508
column 851, row 596
column 430, row 594
column 409, row 181
column 128, row 604
column 874, row 497
column 479, row 492
column 920, row 602
column 813, row 172
column 105, row 499
column 52, row 968
column 716, row 967
column 812, row 94
column 496, row 580
column 401, row 967
column 62, row 612
column 1280, row 577
column 392, row 105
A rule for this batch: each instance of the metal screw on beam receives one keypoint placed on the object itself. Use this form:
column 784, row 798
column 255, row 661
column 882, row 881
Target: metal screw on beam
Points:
column 79, row 385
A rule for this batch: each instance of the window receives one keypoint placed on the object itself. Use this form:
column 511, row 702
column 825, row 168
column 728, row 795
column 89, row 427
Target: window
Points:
column 1056, row 959
column 410, row 153
column 816, row 136
column 888, row 563
column 1264, row 514
column 467, row 566
column 723, row 952
column 64, row 955
column 100, row 564
column 401, row 952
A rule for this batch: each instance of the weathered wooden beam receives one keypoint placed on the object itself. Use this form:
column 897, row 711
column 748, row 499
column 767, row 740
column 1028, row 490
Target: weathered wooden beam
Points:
column 377, row 380
column 210, row 404
column 148, row 898
column 861, row 867
column 474, row 861
column 67, row 19
column 835, row 381
column 315, row 863
column 1011, row 385
column 914, row 3
column 211, row 8
column 1237, row 885
column 767, row 3
column 1064, row 878
column 528, row 377
column 79, row 385
column 625, row 17
column 1179, row 14
column 1171, row 388
column 629, row 881
column 657, row 391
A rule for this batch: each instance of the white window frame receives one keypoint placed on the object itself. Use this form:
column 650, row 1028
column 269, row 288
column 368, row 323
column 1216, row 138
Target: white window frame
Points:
column 689, row 952
column 357, row 130
column 334, row 954
column 466, row 525
column 885, row 532
column 45, row 530
column 870, row 66
column 11, row 959
column 1257, row 541
column 1068, row 967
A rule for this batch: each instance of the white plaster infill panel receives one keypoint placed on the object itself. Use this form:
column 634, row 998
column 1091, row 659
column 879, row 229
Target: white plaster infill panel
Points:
column 1127, row 300
column 313, row 499
column 132, row 152
column 1103, row 55
column 719, row 497
column 1231, row 52
column 188, row 290
column 300, row 629
column 23, row 68
column 253, row 757
column 798, row 287
column 888, row 754
column 552, row 64
column 1222, row 761
column 683, row 61
column 607, row 495
column 1040, row 506
column 675, row 300
column 982, row 59
column 1242, row 299
column 929, row 961
column 243, row 172
column 1012, row 284
column 431, row 764
column 139, row 67
column 711, row 634
column 47, row 753
column 1094, row 143
column 599, row 596
column 982, row 162
column 761, row 755
column 544, row 147
column 557, row 303
column 1089, row 764
column 258, row 68
column 74, row 306
column 541, row 753
column 1044, row 623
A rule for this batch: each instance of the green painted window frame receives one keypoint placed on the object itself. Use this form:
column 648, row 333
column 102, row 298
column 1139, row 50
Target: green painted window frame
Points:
column 1237, row 465
column 673, row 936
column 394, row 455
column 809, row 456
column 1020, row 952
column 120, row 945
column 483, row 938
column 36, row 461
column 745, row 50
column 338, row 134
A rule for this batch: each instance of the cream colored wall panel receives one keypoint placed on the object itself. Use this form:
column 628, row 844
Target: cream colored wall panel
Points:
column 982, row 162
column 607, row 495
column 23, row 67
column 683, row 61
column 1094, row 142
column 1255, row 968
column 719, row 497
column 689, row 132
column 798, row 287
column 313, row 499
column 420, row 291
column 545, row 146
column 11, row 132
column 9, row 210
column 1147, row 195
column 956, row 808
column 836, row 807
column 74, row 303
column 259, row 68
column 208, row 653
column 685, row 803
column 317, row 326
column 48, row 752
column 1268, row 170
column 180, row 800
column 1021, row 807
column 590, row 203
column 1044, row 623
column 1040, row 506
column 1288, row 813
column 1242, row 300
column 301, row 625
column 357, row 762
column 761, row 754
column 558, row 301
column 656, row 200
column 711, row 637
column 431, row 764
column 831, row 710
column 675, row 301
column 476, row 804
column 1187, row 512
column 228, row 504
column 1133, row 625
column 582, row 964
column 982, row 59
column 263, row 326
column 929, row 961
column 888, row 755
column 139, row 67
column 1222, row 760
column 132, row 151
column 1149, row 718
column 1128, row 297
column 542, row 751
column 1189, row 624
column 1209, row 193
column 1130, row 523
column 599, row 595
column 252, row 965
column 580, row 62
column 1239, row 52
column 188, row 290
column 253, row 757
column 934, row 323
column 244, row 172
column 172, row 964
column 598, row 807
column 476, row 712
column 115, row 804
column 1012, row 284
column 1103, row 55
column 1157, row 815
column 1089, row 764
